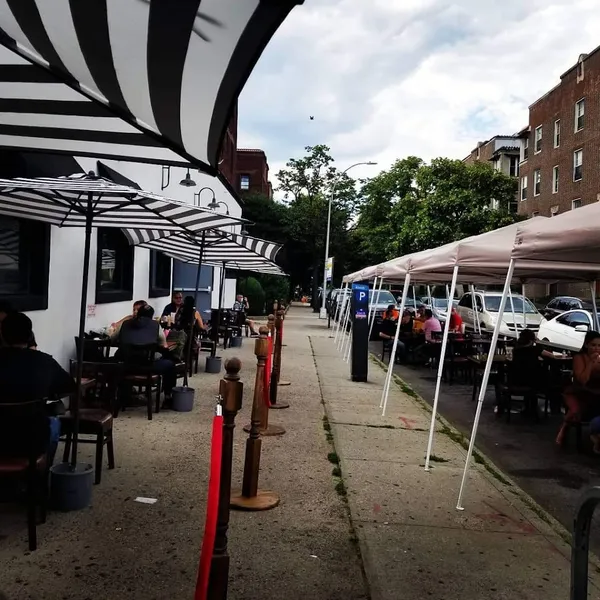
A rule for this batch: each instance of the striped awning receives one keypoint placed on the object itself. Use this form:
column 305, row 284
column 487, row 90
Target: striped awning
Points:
column 143, row 80
column 235, row 251
column 63, row 201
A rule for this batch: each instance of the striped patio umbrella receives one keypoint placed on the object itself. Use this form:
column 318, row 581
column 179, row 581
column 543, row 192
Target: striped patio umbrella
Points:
column 143, row 80
column 88, row 201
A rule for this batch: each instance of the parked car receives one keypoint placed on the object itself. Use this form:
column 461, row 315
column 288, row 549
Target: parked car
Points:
column 439, row 308
column 561, row 304
column 567, row 329
column 488, row 304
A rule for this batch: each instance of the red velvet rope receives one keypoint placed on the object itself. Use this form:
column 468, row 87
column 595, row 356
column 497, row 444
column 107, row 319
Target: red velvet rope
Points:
column 268, row 367
column 212, row 508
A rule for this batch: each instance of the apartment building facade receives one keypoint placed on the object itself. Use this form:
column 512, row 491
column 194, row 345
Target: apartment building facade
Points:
column 560, row 158
column 252, row 173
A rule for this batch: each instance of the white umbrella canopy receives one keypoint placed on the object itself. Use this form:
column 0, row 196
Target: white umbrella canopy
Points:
column 170, row 71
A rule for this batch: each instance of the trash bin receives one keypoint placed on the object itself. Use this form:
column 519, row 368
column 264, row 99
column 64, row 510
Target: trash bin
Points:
column 213, row 364
column 235, row 342
column 71, row 489
column 183, row 399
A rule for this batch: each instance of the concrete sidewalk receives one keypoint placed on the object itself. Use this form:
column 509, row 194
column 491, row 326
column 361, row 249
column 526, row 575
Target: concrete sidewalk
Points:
column 414, row 543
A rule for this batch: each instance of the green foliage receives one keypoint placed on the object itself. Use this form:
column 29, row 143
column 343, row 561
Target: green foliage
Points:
column 275, row 288
column 252, row 289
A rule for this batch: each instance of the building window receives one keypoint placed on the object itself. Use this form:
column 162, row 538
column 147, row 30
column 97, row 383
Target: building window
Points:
column 576, row 203
column 160, row 274
column 537, row 182
column 114, row 267
column 535, row 213
column 538, row 139
column 557, row 133
column 526, row 148
column 524, row 188
column 555, row 180
column 514, row 166
column 579, row 114
column 577, row 165
column 244, row 182
column 24, row 263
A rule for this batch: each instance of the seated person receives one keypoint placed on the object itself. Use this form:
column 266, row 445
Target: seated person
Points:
column 188, row 322
column 173, row 306
column 419, row 319
column 430, row 325
column 456, row 322
column 241, row 305
column 583, row 396
column 6, row 308
column 407, row 322
column 391, row 312
column 143, row 330
column 136, row 306
column 388, row 328
column 26, row 375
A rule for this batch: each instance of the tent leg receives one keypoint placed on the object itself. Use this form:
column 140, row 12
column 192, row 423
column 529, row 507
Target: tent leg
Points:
column 594, row 305
column 386, row 387
column 339, row 311
column 372, row 317
column 440, row 372
column 477, row 322
column 484, row 381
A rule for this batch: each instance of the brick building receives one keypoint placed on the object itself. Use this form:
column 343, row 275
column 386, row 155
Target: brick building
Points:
column 503, row 153
column 561, row 151
column 228, row 160
column 252, row 173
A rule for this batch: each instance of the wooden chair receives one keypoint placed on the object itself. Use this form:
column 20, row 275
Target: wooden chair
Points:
column 138, row 372
column 31, row 467
column 457, row 359
column 95, row 420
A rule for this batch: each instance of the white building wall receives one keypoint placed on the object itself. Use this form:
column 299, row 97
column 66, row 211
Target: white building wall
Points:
column 56, row 327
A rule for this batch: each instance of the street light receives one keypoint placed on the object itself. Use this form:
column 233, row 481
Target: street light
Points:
column 323, row 314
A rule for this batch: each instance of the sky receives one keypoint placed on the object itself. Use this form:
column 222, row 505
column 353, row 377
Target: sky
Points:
column 385, row 79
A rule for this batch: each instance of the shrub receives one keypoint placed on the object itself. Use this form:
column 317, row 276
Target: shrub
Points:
column 252, row 289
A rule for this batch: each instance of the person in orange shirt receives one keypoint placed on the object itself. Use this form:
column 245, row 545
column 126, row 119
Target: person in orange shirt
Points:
column 391, row 313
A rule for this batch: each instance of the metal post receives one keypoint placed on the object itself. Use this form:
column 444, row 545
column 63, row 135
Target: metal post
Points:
column 372, row 317
column 477, row 321
column 386, row 387
column 594, row 305
column 339, row 309
column 438, row 383
column 323, row 314
column 484, row 381
column 512, row 309
column 345, row 324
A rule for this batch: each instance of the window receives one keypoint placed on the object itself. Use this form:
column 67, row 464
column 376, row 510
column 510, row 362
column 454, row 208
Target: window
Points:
column 535, row 213
column 557, row 133
column 160, row 274
column 537, row 182
column 574, row 319
column 524, row 187
column 578, row 165
column 576, row 203
column 514, row 166
column 24, row 263
column 579, row 114
column 244, row 182
column 466, row 301
column 526, row 148
column 555, row 180
column 114, row 267
column 538, row 139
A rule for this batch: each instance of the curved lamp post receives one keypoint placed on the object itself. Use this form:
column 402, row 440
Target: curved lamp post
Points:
column 323, row 313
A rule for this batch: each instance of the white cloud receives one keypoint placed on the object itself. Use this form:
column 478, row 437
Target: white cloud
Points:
column 388, row 78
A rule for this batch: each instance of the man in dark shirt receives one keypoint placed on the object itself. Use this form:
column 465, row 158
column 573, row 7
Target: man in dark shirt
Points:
column 6, row 308
column 387, row 332
column 26, row 375
column 174, row 306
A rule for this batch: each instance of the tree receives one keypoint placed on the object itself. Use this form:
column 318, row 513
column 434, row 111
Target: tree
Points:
column 307, row 184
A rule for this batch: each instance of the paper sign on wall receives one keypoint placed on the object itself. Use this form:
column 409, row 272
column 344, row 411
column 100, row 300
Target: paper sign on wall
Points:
column 91, row 311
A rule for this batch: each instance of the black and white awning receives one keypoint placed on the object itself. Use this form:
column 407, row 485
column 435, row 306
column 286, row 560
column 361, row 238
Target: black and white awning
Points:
column 63, row 201
column 169, row 70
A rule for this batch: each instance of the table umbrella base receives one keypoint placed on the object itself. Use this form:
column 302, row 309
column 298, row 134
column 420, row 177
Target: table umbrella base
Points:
column 264, row 500
column 280, row 405
column 270, row 431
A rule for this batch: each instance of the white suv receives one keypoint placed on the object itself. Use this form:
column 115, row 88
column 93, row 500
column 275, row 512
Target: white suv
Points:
column 488, row 304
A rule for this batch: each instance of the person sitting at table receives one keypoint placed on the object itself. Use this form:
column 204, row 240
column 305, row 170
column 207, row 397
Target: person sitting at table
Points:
column 188, row 326
column 456, row 322
column 241, row 305
column 582, row 398
column 407, row 322
column 136, row 306
column 391, row 312
column 419, row 319
column 27, row 375
column 430, row 325
column 6, row 309
column 173, row 306
column 387, row 331
column 143, row 330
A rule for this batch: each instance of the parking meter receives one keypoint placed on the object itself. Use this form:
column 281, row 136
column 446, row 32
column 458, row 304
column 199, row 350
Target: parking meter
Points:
column 359, row 306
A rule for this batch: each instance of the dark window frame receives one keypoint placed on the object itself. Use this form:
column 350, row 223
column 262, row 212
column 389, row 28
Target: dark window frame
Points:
column 125, row 292
column 157, row 289
column 244, row 182
column 36, row 263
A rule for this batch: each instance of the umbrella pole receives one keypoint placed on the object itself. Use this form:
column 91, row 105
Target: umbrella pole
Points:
column 89, row 215
column 188, row 361
column 221, row 283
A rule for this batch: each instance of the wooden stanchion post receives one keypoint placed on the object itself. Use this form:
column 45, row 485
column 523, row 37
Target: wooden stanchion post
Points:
column 265, row 429
column 275, row 375
column 283, row 312
column 250, row 497
column 231, row 391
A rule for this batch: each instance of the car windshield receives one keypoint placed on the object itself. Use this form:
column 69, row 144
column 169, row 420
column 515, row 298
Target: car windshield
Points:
column 382, row 297
column 441, row 303
column 492, row 304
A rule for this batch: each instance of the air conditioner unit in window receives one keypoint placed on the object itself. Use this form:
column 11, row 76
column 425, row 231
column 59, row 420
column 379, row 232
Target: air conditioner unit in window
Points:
column 554, row 210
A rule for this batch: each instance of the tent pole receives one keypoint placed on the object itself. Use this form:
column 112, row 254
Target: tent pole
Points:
column 438, row 383
column 414, row 298
column 484, row 380
column 350, row 337
column 372, row 300
column 594, row 305
column 477, row 322
column 372, row 317
column 429, row 296
column 221, row 283
column 523, row 303
column 512, row 310
column 345, row 324
column 191, row 332
column 89, row 216
column 336, row 326
column 386, row 387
